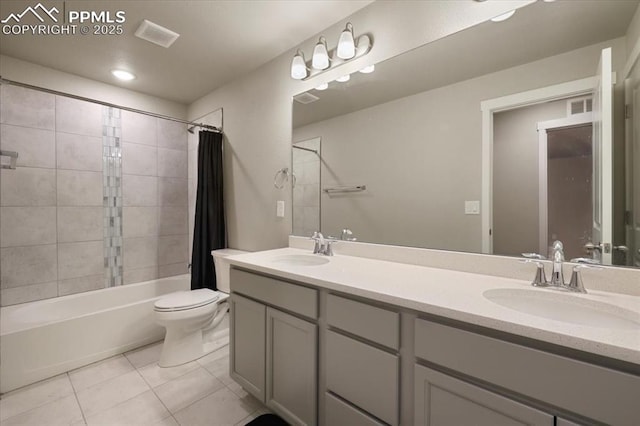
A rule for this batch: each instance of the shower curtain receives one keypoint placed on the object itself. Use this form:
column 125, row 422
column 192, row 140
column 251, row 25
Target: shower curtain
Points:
column 209, row 230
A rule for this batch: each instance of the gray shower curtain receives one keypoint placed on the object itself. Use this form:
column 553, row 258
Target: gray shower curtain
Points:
column 209, row 231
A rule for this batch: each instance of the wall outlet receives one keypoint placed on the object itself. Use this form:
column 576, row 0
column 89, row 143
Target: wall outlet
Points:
column 472, row 207
column 280, row 208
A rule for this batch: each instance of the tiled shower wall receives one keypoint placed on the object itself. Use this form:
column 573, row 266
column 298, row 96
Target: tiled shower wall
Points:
column 52, row 209
column 306, row 192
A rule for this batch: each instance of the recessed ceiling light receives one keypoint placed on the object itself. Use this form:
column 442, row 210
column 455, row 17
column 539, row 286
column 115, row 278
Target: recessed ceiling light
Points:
column 123, row 75
column 323, row 86
column 503, row 17
column 343, row 79
column 368, row 70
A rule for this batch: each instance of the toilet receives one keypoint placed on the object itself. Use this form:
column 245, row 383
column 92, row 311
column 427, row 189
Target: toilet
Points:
column 196, row 321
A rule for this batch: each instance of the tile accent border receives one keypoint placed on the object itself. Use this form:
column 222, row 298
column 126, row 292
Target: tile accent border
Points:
column 112, row 195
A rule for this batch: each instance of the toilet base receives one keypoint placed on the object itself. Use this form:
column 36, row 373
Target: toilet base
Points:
column 180, row 348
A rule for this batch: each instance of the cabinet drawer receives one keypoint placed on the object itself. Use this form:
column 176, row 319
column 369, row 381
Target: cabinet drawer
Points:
column 370, row 322
column 363, row 375
column 291, row 297
column 531, row 372
column 340, row 413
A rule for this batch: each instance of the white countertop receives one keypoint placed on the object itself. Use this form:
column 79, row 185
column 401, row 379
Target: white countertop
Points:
column 455, row 295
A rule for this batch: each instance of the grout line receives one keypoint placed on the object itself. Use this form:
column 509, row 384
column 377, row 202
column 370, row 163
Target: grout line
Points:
column 75, row 394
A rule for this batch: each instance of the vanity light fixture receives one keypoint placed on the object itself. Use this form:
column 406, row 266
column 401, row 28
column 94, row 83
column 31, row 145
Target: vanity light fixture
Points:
column 123, row 75
column 344, row 78
column 323, row 86
column 298, row 66
column 504, row 16
column 368, row 70
column 324, row 60
column 346, row 43
column 320, row 59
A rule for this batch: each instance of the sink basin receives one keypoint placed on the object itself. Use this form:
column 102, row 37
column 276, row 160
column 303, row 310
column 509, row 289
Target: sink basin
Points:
column 564, row 307
column 300, row 260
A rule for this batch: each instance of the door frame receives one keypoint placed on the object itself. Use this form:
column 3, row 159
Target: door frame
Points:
column 489, row 108
column 543, row 207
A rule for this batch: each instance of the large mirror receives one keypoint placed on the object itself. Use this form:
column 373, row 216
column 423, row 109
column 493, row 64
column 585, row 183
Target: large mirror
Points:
column 483, row 141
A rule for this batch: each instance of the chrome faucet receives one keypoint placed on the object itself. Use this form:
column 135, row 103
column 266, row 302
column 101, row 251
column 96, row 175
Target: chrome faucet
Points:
column 557, row 256
column 323, row 245
column 347, row 235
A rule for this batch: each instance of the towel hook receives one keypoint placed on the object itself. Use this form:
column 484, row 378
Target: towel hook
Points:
column 282, row 176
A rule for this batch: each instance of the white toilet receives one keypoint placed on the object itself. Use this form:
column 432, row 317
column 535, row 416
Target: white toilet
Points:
column 192, row 317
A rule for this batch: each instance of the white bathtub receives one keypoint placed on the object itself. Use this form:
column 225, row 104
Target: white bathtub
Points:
column 48, row 337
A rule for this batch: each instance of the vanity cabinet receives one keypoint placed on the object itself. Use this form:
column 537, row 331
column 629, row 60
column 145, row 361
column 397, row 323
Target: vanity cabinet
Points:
column 362, row 363
column 443, row 400
column 273, row 352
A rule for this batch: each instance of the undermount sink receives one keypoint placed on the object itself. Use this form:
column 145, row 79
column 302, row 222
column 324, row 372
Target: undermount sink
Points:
column 564, row 307
column 300, row 260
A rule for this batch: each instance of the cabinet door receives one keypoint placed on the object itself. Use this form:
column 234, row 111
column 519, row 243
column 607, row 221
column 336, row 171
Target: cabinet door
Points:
column 442, row 400
column 291, row 367
column 247, row 362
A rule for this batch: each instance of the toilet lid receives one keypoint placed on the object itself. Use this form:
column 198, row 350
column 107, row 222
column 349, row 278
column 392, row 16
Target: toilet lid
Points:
column 182, row 300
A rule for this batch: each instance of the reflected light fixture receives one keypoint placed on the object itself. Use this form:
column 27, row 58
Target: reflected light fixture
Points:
column 320, row 59
column 123, row 75
column 344, row 78
column 323, row 86
column 298, row 66
column 346, row 43
column 368, row 70
column 504, row 16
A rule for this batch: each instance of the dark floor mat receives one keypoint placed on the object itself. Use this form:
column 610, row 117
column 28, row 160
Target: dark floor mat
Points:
column 267, row 420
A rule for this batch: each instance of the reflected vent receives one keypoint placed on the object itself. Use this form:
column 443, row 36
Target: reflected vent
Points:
column 579, row 106
column 156, row 34
column 305, row 98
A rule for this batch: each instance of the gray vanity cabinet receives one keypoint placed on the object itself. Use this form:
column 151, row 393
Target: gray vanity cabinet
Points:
column 247, row 339
column 273, row 350
column 291, row 367
column 441, row 400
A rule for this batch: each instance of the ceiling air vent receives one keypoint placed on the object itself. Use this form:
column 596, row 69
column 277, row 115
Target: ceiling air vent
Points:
column 156, row 34
column 305, row 98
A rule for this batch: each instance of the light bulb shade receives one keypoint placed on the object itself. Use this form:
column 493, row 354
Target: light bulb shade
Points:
column 346, row 44
column 298, row 67
column 320, row 59
column 368, row 70
column 344, row 78
column 323, row 86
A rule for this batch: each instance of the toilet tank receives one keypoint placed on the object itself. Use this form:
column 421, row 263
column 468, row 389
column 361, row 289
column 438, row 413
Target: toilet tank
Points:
column 222, row 267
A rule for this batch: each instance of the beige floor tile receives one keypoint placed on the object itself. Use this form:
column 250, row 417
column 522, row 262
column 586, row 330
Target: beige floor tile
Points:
column 220, row 408
column 145, row 355
column 185, row 390
column 220, row 369
column 215, row 355
column 110, row 393
column 64, row 411
column 169, row 421
column 144, row 409
column 156, row 375
column 35, row 395
column 99, row 372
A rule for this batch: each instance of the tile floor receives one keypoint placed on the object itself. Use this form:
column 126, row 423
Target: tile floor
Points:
column 131, row 389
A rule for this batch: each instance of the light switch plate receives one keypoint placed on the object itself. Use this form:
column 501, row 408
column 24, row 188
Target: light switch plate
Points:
column 472, row 207
column 280, row 208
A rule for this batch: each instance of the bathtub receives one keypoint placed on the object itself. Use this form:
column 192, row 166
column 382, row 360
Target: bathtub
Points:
column 44, row 338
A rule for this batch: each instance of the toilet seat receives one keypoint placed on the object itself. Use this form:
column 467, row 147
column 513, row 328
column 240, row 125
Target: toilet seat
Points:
column 185, row 300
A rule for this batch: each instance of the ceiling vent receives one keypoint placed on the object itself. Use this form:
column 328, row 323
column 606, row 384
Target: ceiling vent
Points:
column 305, row 98
column 579, row 105
column 156, row 34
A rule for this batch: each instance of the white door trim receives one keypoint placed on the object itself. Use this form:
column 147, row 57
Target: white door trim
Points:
column 491, row 106
column 543, row 212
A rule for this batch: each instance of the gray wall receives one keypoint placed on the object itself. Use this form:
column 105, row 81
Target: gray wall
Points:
column 51, row 206
column 425, row 161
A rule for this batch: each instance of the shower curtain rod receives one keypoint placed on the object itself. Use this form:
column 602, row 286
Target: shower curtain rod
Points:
column 107, row 104
column 305, row 149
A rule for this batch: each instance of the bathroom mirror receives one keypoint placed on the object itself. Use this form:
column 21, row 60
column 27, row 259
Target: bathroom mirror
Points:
column 401, row 159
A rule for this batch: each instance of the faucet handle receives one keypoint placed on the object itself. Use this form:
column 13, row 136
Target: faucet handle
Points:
column 576, row 278
column 540, row 280
column 585, row 260
column 533, row 256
